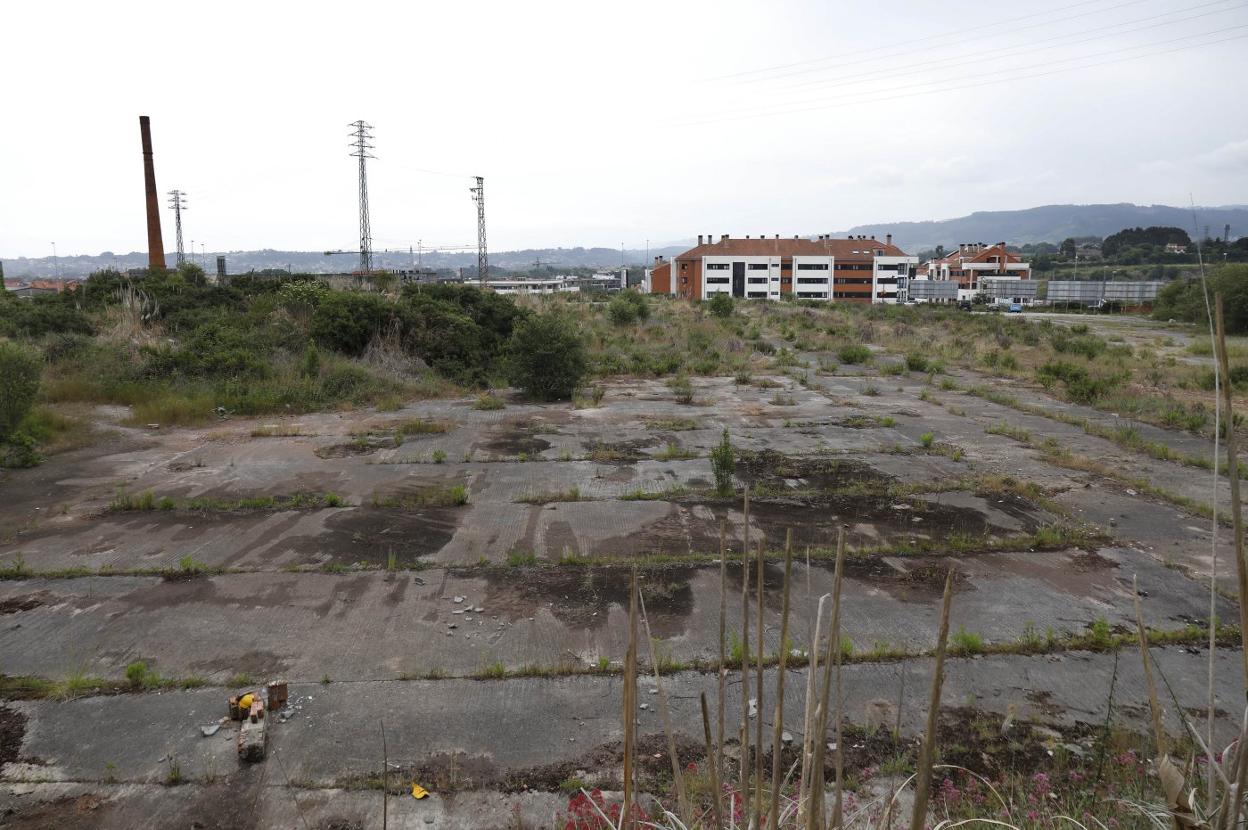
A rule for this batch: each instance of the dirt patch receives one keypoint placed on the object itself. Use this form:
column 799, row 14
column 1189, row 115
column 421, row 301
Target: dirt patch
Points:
column 581, row 597
column 12, row 731
column 83, row 812
column 620, row 452
column 363, row 446
column 370, row 535
column 452, row 772
column 768, row 467
column 339, row 823
column 975, row 740
column 27, row 602
column 518, row 437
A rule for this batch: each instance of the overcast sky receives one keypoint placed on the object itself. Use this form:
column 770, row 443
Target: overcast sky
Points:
column 602, row 124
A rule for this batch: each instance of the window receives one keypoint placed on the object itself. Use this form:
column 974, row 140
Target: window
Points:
column 717, row 266
column 716, row 280
column 811, row 295
column 756, row 294
column 812, row 266
column 758, row 266
column 684, row 266
column 786, row 280
column 851, row 266
column 853, row 280
column 758, row 280
column 812, row 280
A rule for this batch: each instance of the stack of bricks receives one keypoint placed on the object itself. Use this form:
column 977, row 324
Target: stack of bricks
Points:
column 253, row 736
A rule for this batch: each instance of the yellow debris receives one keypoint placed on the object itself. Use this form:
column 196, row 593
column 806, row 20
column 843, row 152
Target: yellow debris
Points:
column 418, row 792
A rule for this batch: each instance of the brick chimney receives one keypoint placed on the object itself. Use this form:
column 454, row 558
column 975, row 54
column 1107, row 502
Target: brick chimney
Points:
column 699, row 239
column 888, row 240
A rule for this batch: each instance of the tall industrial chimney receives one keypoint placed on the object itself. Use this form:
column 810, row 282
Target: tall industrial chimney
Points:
column 155, row 245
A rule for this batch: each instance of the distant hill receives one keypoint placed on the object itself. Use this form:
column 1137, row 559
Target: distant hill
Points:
column 1052, row 223
column 1049, row 223
column 315, row 262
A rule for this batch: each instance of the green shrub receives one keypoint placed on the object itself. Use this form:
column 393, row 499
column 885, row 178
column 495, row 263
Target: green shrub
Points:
column 720, row 305
column 723, row 464
column 965, row 642
column 19, row 383
column 853, row 353
column 916, row 362
column 547, row 356
column 627, row 307
column 310, row 367
column 39, row 316
column 488, row 401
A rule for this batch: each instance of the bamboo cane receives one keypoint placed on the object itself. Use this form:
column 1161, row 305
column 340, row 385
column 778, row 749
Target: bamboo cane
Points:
column 923, row 774
column 758, row 690
column 777, row 734
column 706, row 729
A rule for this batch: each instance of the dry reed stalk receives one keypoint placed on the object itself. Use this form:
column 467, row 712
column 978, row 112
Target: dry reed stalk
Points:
column 923, row 772
column 814, row 816
column 723, row 670
column 838, row 803
column 716, row 794
column 1232, row 472
column 758, row 690
column 665, row 711
column 1172, row 780
column 745, row 655
column 777, row 734
column 1241, row 567
column 808, row 726
column 630, row 701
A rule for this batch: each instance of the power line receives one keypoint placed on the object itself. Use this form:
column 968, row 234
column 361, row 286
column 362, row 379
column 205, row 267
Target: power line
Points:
column 177, row 201
column 483, row 260
column 942, row 36
column 361, row 147
column 994, row 78
column 1057, row 41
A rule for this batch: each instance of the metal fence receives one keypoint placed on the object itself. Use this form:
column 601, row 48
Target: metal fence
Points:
column 1015, row 290
column 1088, row 292
column 938, row 290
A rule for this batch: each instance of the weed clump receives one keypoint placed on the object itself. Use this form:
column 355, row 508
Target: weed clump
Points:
column 723, row 465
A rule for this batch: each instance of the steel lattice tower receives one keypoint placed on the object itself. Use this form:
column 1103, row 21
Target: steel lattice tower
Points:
column 361, row 147
column 177, row 201
column 483, row 259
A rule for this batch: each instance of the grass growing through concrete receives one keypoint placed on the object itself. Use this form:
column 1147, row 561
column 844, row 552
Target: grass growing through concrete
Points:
column 571, row 494
column 147, row 500
column 433, row 496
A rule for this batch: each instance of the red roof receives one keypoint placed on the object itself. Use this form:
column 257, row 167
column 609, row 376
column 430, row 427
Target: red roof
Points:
column 848, row 249
column 959, row 257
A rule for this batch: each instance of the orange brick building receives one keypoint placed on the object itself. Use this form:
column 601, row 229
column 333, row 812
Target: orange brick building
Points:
column 854, row 269
column 975, row 260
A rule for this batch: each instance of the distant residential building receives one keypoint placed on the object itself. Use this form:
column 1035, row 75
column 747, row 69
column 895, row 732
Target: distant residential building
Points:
column 1087, row 252
column 1176, row 248
column 975, row 261
column 39, row 288
column 855, row 269
column 546, row 285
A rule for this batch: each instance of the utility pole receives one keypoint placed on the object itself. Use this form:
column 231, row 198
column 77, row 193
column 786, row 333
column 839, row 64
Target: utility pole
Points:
column 361, row 147
column 177, row 201
column 483, row 259
column 56, row 263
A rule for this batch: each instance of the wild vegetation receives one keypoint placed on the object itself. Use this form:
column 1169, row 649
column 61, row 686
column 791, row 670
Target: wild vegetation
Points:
column 180, row 350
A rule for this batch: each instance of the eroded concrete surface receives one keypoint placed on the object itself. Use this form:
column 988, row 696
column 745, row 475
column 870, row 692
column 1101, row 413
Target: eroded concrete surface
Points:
column 560, row 502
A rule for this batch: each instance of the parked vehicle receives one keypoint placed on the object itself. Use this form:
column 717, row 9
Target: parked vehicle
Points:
column 1015, row 308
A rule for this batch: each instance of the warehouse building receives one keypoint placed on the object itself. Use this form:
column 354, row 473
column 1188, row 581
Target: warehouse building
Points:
column 854, row 269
